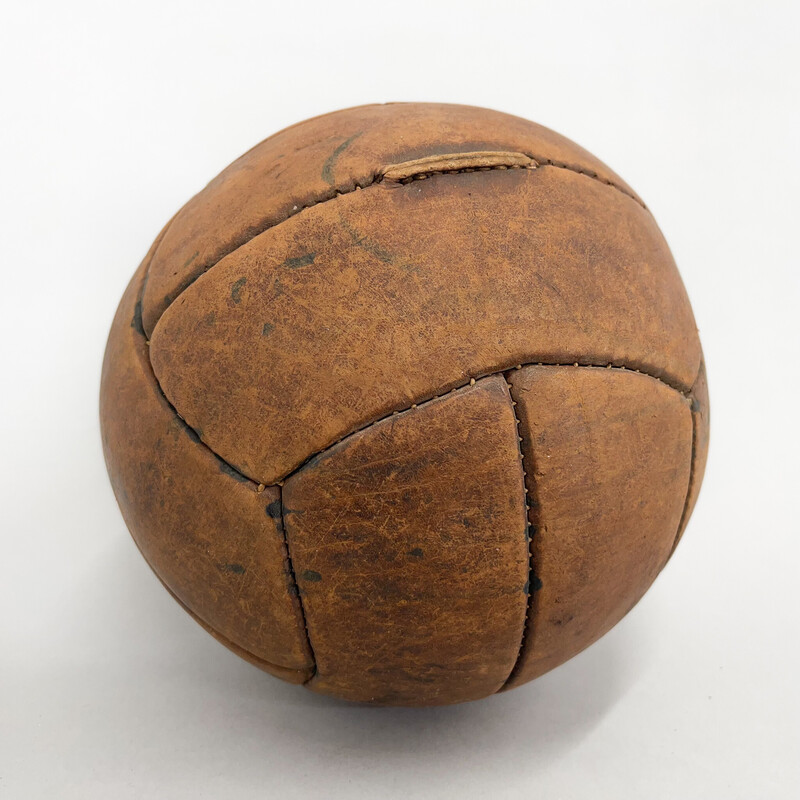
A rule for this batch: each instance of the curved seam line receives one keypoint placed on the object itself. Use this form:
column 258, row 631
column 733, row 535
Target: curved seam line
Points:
column 259, row 486
column 532, row 580
column 190, row 431
column 619, row 367
column 692, row 464
column 683, row 520
column 547, row 162
column 225, row 466
column 378, row 178
column 295, row 587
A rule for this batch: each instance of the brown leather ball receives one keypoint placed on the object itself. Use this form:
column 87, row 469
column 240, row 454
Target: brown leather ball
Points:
column 408, row 404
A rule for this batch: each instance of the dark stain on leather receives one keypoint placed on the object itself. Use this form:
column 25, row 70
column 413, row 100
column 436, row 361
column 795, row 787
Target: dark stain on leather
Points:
column 231, row 471
column 330, row 162
column 274, row 510
column 236, row 290
column 299, row 261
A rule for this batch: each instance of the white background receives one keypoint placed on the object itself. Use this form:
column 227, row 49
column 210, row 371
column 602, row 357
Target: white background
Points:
column 111, row 116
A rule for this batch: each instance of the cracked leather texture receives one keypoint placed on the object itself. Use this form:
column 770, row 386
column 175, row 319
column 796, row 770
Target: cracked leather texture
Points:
column 408, row 404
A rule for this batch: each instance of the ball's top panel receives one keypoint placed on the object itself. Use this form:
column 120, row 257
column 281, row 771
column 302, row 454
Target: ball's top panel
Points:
column 387, row 296
column 315, row 159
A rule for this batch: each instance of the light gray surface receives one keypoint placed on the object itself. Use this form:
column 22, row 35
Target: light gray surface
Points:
column 112, row 117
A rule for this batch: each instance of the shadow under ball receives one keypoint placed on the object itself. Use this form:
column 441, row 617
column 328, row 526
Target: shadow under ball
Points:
column 408, row 404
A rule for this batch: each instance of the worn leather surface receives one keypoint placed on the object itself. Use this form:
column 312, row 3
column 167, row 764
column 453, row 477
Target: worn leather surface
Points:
column 368, row 303
column 352, row 365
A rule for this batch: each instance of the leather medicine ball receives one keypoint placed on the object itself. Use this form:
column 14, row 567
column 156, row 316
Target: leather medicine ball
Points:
column 408, row 404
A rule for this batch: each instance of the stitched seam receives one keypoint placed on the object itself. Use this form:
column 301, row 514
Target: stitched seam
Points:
column 225, row 466
column 532, row 586
column 430, row 398
column 378, row 178
column 689, row 488
column 548, row 162
column 295, row 589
